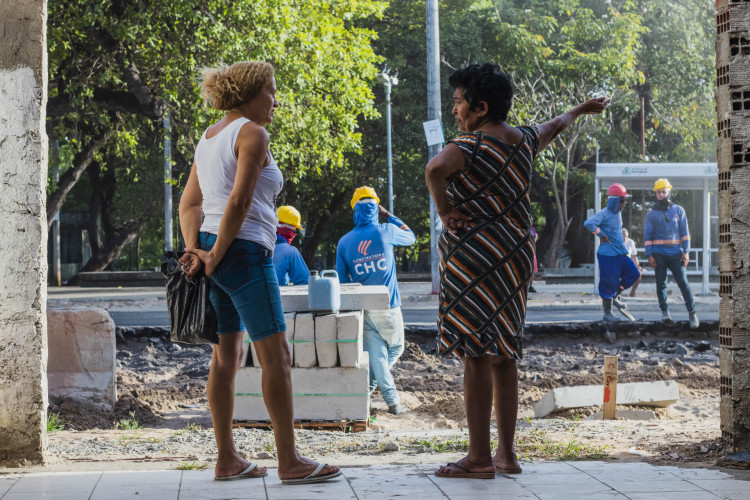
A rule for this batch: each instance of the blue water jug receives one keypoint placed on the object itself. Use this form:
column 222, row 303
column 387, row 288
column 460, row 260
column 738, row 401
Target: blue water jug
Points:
column 324, row 293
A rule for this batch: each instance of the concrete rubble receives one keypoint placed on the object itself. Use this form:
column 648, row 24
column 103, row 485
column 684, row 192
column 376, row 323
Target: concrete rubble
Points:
column 82, row 355
column 661, row 393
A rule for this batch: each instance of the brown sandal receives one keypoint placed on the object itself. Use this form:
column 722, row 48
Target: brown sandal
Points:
column 467, row 474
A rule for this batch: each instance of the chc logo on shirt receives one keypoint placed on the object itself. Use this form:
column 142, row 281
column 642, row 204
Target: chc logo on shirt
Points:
column 371, row 264
column 363, row 246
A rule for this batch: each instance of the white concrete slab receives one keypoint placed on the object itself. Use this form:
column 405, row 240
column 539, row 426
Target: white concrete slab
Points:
column 325, row 340
column 349, row 334
column 319, row 394
column 304, row 341
column 354, row 297
column 660, row 393
column 289, row 319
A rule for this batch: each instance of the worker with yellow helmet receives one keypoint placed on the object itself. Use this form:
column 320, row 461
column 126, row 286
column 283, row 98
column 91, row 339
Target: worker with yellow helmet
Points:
column 365, row 255
column 667, row 243
column 287, row 260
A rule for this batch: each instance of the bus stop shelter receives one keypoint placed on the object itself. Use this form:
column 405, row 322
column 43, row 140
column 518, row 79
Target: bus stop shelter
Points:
column 688, row 176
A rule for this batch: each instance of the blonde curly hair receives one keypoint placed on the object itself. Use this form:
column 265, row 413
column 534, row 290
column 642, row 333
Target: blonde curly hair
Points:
column 225, row 87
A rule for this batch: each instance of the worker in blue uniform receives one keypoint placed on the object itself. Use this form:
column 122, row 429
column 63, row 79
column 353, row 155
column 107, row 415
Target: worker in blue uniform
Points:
column 365, row 255
column 288, row 262
column 616, row 269
column 667, row 242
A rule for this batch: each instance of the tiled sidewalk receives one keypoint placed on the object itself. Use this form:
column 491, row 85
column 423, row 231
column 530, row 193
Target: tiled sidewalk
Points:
column 543, row 480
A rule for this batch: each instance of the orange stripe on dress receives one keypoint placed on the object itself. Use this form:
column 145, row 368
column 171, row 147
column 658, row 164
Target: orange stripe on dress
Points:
column 666, row 242
column 685, row 238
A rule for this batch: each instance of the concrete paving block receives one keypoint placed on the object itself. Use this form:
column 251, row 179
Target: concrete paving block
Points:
column 304, row 341
column 354, row 297
column 661, row 393
column 325, row 340
column 254, row 355
column 82, row 355
column 246, row 347
column 289, row 320
column 319, row 394
column 349, row 330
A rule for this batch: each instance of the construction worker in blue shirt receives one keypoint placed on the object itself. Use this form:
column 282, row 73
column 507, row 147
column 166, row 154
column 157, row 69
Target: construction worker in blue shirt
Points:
column 617, row 272
column 365, row 255
column 288, row 262
column 667, row 242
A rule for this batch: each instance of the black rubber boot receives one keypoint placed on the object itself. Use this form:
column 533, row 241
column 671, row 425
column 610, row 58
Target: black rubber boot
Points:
column 607, row 307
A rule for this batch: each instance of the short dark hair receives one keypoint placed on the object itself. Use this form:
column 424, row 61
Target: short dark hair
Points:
column 485, row 83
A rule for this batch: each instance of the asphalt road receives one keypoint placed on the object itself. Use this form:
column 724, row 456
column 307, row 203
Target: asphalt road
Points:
column 546, row 314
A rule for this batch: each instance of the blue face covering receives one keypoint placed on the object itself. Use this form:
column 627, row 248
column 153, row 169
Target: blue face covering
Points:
column 613, row 203
column 365, row 213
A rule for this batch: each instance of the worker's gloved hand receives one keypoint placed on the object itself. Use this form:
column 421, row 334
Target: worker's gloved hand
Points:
column 604, row 238
column 652, row 261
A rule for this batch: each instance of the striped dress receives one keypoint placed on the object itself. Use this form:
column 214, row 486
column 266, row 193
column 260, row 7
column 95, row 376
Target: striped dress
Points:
column 485, row 269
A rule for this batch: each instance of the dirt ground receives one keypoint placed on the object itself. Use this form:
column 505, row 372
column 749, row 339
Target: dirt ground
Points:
column 162, row 415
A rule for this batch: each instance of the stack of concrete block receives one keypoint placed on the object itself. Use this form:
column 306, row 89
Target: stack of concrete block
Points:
column 733, row 152
column 330, row 370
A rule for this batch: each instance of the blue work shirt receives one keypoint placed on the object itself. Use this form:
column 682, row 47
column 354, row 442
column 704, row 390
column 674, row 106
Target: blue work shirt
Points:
column 608, row 222
column 289, row 264
column 666, row 231
column 365, row 254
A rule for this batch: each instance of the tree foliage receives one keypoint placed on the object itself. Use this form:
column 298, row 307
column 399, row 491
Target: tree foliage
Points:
column 117, row 65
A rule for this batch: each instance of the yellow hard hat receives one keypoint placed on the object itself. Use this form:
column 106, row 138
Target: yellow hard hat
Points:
column 364, row 192
column 290, row 215
column 662, row 184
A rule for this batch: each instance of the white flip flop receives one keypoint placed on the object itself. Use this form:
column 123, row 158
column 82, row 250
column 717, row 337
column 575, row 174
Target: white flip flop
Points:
column 313, row 477
column 245, row 474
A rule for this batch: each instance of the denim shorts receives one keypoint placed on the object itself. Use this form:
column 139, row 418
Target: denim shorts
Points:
column 245, row 290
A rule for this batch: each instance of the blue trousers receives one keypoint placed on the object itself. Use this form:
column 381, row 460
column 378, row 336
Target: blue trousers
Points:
column 616, row 271
column 383, row 340
column 674, row 264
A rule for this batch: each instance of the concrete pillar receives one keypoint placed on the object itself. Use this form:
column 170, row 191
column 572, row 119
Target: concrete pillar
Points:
column 733, row 122
column 23, row 246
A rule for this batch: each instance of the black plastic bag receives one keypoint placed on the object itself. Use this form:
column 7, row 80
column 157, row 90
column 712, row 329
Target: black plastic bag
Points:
column 192, row 320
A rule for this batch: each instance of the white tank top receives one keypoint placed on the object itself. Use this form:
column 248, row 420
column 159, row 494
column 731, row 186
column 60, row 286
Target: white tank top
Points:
column 217, row 167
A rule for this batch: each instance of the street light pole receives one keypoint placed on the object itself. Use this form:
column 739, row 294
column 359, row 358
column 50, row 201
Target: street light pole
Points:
column 433, row 113
column 389, row 81
column 168, row 245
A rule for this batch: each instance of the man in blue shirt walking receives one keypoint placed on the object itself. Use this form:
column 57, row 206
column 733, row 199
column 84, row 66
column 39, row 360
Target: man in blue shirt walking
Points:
column 365, row 255
column 288, row 262
column 667, row 242
column 617, row 272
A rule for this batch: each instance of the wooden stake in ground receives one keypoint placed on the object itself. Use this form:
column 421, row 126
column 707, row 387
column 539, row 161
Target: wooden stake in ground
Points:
column 610, row 387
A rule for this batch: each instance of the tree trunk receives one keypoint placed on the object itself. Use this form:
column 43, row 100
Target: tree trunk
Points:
column 81, row 161
column 319, row 229
column 112, row 247
column 94, row 207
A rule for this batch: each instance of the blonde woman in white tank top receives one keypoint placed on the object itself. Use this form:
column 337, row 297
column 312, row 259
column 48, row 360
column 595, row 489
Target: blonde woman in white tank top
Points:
column 228, row 222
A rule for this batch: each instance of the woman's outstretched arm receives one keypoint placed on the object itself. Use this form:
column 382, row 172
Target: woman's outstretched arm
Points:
column 551, row 129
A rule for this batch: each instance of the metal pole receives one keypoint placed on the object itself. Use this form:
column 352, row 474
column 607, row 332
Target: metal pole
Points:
column 643, row 128
column 706, row 236
column 433, row 113
column 390, row 155
column 168, row 244
column 55, row 274
column 597, row 207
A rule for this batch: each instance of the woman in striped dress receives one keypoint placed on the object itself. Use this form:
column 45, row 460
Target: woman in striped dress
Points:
column 480, row 184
